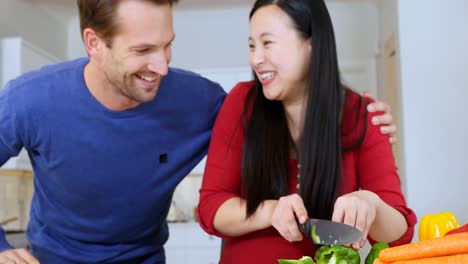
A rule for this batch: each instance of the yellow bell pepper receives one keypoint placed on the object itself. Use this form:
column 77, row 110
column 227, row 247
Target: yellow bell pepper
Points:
column 436, row 225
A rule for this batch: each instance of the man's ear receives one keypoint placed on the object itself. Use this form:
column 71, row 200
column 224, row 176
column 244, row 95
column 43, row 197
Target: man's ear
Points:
column 91, row 41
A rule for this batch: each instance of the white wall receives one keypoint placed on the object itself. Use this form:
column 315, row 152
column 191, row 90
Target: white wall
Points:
column 208, row 38
column 356, row 29
column 11, row 59
column 19, row 18
column 75, row 46
column 433, row 40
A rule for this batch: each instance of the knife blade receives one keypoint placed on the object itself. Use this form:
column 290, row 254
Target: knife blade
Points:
column 324, row 232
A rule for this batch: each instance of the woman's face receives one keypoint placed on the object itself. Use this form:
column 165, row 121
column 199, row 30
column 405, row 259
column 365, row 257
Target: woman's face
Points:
column 279, row 55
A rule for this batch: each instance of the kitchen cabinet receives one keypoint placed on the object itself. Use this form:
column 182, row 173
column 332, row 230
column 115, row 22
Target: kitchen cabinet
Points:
column 188, row 243
column 16, row 190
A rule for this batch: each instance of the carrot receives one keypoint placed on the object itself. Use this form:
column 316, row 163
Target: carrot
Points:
column 453, row 259
column 437, row 247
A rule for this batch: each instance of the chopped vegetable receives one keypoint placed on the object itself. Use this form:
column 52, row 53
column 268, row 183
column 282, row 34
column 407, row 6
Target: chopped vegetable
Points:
column 436, row 247
column 375, row 252
column 436, row 225
column 337, row 254
column 303, row 260
column 314, row 235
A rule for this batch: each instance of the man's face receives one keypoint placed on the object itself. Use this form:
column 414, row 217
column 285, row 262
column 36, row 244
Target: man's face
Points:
column 140, row 52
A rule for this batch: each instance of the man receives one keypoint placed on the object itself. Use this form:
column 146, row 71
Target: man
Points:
column 109, row 137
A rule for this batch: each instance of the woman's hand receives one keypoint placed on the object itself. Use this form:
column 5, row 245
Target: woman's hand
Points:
column 288, row 211
column 357, row 209
column 386, row 120
column 18, row 256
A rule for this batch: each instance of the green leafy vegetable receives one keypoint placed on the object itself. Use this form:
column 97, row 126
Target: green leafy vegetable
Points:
column 337, row 254
column 303, row 260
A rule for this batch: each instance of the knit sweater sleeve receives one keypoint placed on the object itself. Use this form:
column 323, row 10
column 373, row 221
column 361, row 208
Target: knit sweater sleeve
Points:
column 4, row 245
column 378, row 173
column 10, row 139
column 221, row 180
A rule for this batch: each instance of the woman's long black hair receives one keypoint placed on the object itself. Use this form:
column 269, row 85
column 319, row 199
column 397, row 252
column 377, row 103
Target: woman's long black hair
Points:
column 267, row 141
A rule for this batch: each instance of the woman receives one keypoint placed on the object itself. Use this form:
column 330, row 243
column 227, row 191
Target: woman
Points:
column 254, row 191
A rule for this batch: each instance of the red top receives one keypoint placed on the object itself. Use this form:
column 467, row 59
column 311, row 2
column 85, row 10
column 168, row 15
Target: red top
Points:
column 370, row 167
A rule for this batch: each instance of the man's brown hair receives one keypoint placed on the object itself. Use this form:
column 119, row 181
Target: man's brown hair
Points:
column 100, row 15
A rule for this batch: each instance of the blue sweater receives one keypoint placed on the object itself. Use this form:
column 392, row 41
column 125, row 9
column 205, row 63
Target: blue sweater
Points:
column 103, row 180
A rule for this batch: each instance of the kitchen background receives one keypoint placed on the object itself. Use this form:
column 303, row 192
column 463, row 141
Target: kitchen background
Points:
column 410, row 53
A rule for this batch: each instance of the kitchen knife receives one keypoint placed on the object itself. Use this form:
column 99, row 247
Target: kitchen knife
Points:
column 324, row 232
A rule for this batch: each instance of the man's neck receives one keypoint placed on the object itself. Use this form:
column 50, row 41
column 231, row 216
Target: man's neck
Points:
column 104, row 91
